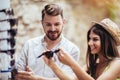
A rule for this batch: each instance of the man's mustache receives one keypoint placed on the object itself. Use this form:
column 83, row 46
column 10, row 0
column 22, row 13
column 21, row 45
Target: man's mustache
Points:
column 52, row 32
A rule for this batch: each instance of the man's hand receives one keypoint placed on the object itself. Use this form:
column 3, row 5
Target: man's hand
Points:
column 26, row 75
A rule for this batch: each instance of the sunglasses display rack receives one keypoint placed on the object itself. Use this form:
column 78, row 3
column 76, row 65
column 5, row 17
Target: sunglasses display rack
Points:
column 8, row 31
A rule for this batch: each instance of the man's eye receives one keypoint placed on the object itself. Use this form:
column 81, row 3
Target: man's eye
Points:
column 57, row 24
column 48, row 24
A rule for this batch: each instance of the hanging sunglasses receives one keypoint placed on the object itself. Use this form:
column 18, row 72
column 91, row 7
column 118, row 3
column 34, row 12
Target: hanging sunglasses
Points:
column 14, row 71
column 8, row 11
column 12, row 32
column 49, row 54
column 12, row 62
column 10, row 40
column 13, row 21
column 9, row 52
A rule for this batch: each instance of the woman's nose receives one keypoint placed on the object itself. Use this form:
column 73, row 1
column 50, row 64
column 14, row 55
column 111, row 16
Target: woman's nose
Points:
column 90, row 42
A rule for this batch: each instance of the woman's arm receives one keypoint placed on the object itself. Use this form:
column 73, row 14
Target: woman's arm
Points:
column 80, row 73
column 56, row 69
column 113, row 72
column 68, row 60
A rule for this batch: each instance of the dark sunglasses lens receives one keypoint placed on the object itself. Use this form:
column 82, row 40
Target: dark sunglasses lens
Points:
column 12, row 42
column 12, row 62
column 12, row 51
column 13, row 32
column 49, row 54
column 9, row 52
column 13, row 22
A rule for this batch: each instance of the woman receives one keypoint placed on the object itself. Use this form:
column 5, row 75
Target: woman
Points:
column 102, row 57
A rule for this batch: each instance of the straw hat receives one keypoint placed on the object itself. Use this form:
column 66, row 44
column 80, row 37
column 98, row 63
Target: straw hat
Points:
column 112, row 29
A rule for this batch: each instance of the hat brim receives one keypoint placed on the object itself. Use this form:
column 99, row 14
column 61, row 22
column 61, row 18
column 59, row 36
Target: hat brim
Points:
column 114, row 36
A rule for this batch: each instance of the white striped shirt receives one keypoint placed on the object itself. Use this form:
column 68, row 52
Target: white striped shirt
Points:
column 34, row 47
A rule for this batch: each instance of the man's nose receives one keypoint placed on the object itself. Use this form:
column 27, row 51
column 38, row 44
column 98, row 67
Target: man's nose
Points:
column 53, row 28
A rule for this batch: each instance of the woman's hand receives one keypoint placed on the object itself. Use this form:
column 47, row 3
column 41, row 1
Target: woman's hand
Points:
column 65, row 58
column 50, row 62
column 56, row 69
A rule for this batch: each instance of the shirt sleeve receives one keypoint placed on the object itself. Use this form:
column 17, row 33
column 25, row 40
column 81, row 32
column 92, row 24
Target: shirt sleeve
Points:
column 75, row 53
column 22, row 61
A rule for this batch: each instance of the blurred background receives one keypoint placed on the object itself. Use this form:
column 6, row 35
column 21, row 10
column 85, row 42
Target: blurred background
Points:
column 78, row 13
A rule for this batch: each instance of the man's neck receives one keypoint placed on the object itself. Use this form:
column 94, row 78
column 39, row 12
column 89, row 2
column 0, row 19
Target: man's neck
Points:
column 50, row 44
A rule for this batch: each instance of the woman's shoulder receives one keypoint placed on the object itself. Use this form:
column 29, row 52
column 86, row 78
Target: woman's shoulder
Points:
column 115, row 61
column 115, row 65
column 114, row 69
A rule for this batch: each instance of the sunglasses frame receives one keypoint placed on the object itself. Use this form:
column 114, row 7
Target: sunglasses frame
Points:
column 12, row 32
column 9, row 52
column 49, row 54
column 11, row 40
column 8, row 11
column 12, row 21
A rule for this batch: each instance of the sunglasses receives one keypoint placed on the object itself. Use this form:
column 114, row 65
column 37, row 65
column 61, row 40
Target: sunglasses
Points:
column 49, row 54
column 12, row 32
column 12, row 62
column 8, row 11
column 14, row 71
column 12, row 41
column 9, row 52
column 12, row 21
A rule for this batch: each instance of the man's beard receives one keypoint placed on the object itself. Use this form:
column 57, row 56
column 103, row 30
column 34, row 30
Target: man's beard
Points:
column 52, row 35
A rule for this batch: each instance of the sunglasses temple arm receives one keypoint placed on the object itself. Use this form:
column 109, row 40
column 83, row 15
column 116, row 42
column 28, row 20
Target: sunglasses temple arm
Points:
column 40, row 55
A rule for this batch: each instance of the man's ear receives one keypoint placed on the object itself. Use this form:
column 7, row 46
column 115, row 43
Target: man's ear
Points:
column 64, row 21
column 41, row 22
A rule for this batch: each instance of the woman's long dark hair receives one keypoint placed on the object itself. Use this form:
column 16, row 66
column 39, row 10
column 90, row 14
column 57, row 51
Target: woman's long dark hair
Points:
column 108, row 48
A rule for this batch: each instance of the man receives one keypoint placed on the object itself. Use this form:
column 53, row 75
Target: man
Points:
column 32, row 67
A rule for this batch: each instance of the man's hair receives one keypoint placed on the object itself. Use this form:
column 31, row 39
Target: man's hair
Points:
column 52, row 10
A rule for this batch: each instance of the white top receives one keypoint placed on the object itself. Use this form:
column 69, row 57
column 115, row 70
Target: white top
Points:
column 34, row 47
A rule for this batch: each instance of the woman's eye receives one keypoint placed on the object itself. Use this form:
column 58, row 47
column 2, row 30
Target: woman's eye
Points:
column 95, row 39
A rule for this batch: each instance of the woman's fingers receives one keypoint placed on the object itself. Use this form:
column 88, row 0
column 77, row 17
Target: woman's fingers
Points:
column 28, row 69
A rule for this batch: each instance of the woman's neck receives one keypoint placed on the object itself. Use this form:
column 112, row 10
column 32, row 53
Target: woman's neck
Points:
column 102, row 59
